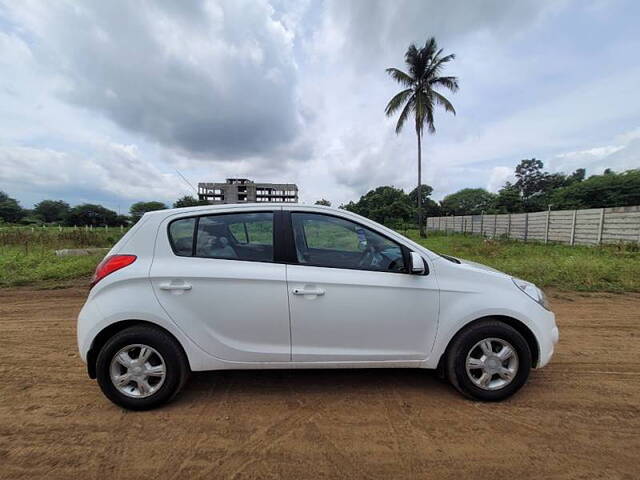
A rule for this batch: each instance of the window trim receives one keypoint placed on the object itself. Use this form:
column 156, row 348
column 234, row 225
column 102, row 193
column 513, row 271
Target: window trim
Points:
column 404, row 249
column 196, row 224
column 284, row 247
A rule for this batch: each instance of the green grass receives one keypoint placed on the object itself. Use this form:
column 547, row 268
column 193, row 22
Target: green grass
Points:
column 58, row 238
column 610, row 268
column 27, row 258
column 42, row 267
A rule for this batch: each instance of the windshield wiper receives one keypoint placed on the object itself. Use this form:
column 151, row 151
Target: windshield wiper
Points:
column 447, row 257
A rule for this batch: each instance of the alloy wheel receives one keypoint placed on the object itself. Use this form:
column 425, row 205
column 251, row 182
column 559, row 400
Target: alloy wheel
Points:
column 492, row 364
column 137, row 371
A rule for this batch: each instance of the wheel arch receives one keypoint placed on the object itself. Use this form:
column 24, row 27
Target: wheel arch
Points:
column 516, row 324
column 110, row 330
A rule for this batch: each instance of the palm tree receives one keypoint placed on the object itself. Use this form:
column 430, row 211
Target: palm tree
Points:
column 419, row 97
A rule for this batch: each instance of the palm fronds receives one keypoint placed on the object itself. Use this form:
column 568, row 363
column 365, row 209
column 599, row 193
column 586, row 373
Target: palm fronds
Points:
column 419, row 96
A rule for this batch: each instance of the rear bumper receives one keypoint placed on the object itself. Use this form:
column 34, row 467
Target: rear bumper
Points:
column 88, row 317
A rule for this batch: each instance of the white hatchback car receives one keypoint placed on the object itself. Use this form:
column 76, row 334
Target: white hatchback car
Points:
column 263, row 286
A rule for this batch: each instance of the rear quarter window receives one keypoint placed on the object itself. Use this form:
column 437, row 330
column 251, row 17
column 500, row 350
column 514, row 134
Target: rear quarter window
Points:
column 181, row 236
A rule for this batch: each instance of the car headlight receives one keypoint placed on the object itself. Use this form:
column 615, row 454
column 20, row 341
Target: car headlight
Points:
column 532, row 291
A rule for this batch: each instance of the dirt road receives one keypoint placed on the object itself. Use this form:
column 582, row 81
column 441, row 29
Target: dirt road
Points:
column 577, row 418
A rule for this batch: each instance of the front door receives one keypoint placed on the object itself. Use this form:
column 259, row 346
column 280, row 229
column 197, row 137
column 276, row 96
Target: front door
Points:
column 216, row 278
column 350, row 296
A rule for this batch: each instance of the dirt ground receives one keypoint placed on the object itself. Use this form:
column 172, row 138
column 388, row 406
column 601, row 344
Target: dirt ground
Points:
column 577, row 418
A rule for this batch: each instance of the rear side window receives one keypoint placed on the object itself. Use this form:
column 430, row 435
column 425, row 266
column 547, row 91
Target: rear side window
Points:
column 241, row 236
column 250, row 230
column 181, row 236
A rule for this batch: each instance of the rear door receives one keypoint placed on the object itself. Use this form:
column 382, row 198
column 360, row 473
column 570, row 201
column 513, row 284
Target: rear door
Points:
column 216, row 277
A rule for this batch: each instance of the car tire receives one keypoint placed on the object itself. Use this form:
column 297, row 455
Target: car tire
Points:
column 156, row 370
column 479, row 363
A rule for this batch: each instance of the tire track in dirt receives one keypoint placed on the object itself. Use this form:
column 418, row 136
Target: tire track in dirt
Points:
column 577, row 418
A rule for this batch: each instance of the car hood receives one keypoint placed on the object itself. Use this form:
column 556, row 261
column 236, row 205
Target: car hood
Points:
column 475, row 266
column 479, row 266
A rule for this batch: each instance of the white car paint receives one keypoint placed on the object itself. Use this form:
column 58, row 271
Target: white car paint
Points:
column 253, row 315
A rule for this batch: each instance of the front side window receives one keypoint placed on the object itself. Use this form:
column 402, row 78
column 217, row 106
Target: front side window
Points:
column 241, row 236
column 327, row 241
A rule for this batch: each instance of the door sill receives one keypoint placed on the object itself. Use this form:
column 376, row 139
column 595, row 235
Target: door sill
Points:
column 226, row 365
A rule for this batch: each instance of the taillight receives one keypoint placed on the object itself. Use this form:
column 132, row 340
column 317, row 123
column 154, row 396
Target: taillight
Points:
column 110, row 264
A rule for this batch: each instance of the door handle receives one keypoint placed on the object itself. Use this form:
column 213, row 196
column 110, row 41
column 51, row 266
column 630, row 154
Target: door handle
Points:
column 175, row 286
column 305, row 291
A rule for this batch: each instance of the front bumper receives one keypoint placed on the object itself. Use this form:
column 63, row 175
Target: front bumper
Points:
column 548, row 337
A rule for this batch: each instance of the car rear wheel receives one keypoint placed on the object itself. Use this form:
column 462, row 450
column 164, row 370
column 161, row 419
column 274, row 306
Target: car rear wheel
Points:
column 489, row 360
column 141, row 367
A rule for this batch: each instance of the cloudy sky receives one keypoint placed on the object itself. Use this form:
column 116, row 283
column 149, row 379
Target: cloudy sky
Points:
column 106, row 101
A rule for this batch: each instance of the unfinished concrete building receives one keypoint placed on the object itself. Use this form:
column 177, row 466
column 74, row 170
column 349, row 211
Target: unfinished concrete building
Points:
column 243, row 190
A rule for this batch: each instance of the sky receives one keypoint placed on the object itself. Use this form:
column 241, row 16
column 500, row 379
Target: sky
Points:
column 109, row 102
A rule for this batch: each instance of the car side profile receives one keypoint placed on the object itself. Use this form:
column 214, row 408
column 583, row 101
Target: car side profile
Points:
column 267, row 286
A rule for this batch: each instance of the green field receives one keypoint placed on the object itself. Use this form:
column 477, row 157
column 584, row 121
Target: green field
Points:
column 27, row 258
column 27, row 255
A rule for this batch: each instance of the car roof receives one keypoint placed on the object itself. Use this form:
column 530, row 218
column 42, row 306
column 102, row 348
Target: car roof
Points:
column 239, row 206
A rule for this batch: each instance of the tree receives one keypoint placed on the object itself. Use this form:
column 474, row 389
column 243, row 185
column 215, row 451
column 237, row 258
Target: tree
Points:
column 468, row 201
column 420, row 97
column 94, row 215
column 536, row 185
column 324, row 202
column 508, row 199
column 384, row 205
column 606, row 190
column 429, row 207
column 426, row 191
column 577, row 176
column 140, row 208
column 30, row 218
column 10, row 209
column 122, row 220
column 188, row 201
column 52, row 210
column 530, row 178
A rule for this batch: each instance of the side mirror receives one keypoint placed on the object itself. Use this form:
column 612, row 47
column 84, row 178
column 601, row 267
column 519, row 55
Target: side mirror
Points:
column 417, row 263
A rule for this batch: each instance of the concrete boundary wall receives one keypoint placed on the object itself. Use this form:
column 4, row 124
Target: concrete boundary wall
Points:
column 592, row 226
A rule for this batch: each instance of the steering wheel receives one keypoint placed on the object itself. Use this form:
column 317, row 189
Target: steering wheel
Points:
column 365, row 258
column 393, row 265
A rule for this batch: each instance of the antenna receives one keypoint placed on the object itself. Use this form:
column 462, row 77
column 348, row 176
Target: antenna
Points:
column 187, row 182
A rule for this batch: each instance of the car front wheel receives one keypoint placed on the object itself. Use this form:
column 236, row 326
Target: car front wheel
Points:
column 489, row 360
column 141, row 367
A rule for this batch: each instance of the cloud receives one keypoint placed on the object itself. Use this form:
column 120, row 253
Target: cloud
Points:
column 623, row 153
column 111, row 171
column 209, row 78
column 499, row 176
column 344, row 62
column 103, row 101
column 379, row 31
column 596, row 151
